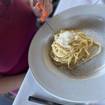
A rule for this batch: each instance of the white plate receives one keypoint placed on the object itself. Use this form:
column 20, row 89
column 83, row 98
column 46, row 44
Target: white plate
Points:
column 91, row 87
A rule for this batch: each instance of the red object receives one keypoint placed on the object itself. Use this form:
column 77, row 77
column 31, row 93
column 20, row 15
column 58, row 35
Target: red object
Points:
column 44, row 16
column 41, row 8
column 17, row 28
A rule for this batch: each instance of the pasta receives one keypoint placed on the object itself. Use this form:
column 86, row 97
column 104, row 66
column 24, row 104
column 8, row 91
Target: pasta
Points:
column 73, row 49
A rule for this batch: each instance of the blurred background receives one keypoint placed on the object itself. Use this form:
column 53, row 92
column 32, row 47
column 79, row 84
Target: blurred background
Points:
column 8, row 98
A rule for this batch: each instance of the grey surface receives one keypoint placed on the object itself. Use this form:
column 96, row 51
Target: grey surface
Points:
column 4, row 100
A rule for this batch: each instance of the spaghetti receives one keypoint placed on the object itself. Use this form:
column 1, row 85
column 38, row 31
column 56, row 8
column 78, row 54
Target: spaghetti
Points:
column 73, row 47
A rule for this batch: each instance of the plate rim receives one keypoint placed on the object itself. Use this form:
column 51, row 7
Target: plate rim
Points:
column 39, row 82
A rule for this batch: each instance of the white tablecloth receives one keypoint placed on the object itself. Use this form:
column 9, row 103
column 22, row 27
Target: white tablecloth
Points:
column 29, row 86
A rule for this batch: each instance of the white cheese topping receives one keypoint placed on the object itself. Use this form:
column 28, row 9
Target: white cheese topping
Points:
column 65, row 38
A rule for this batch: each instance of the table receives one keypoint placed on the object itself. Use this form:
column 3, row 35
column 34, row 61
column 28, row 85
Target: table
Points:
column 30, row 86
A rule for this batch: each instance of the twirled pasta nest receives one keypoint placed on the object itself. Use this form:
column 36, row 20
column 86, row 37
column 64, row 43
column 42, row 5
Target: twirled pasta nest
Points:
column 79, row 50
